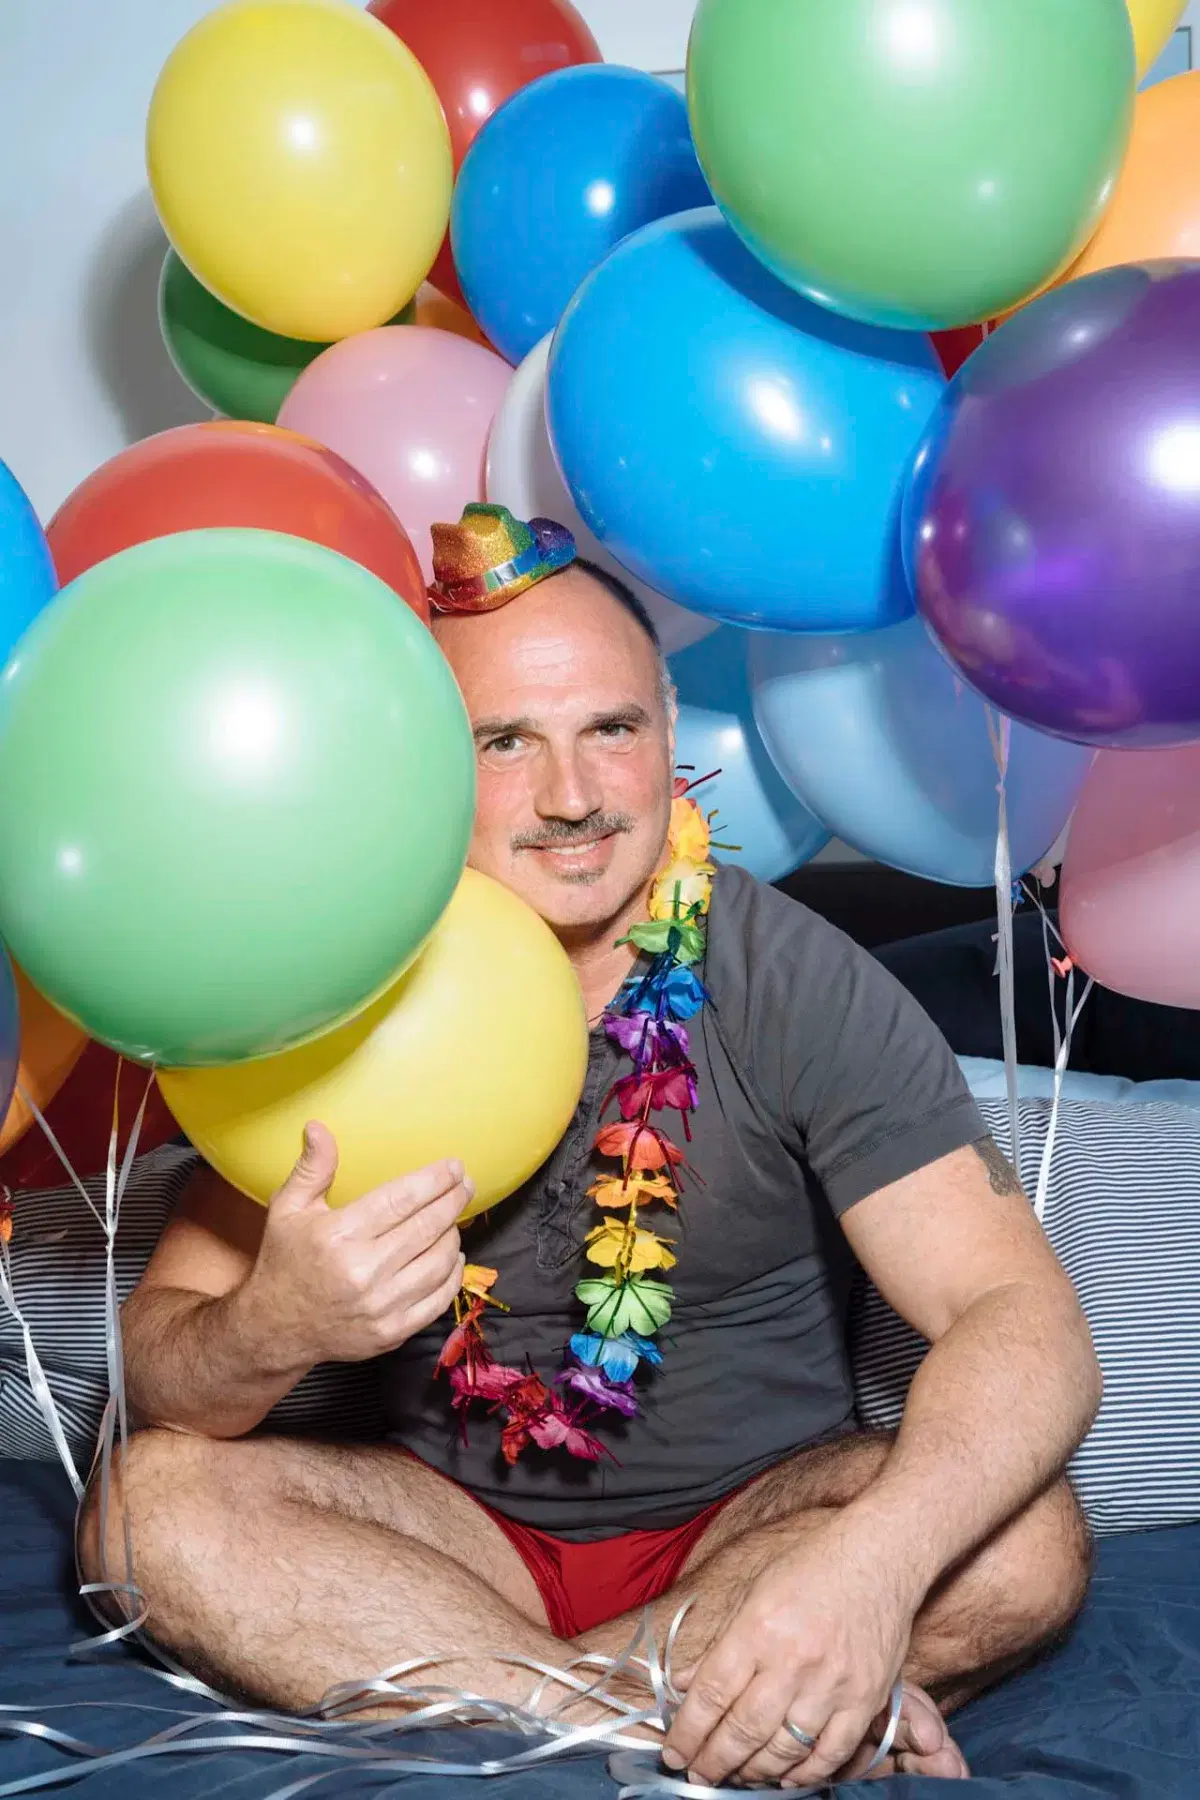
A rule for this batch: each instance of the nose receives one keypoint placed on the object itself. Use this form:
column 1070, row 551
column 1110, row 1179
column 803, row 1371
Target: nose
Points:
column 567, row 789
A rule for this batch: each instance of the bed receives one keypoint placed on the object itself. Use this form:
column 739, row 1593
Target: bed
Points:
column 1113, row 1714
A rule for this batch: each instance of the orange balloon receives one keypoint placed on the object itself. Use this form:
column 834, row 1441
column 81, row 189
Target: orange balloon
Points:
column 50, row 1048
column 437, row 309
column 1156, row 208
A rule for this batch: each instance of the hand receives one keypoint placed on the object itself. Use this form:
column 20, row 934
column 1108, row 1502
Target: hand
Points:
column 346, row 1285
column 819, row 1639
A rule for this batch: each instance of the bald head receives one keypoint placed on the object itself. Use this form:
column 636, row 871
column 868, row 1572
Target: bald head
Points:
column 582, row 585
column 572, row 713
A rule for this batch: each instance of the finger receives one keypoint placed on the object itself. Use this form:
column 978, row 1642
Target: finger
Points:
column 725, row 1718
column 411, row 1319
column 922, row 1728
column 433, row 1225
column 946, row 1764
column 859, row 1763
column 783, row 1754
column 313, row 1175
column 837, row 1744
column 395, row 1202
column 425, row 1274
column 751, row 1742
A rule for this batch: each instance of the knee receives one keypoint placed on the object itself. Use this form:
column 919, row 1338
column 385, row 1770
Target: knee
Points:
column 1071, row 1554
column 152, row 1481
column 1054, row 1566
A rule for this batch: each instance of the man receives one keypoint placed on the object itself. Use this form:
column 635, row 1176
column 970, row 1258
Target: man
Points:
column 831, row 1125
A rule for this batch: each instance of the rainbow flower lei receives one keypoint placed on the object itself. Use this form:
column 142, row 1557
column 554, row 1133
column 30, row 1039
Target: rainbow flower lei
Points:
column 627, row 1302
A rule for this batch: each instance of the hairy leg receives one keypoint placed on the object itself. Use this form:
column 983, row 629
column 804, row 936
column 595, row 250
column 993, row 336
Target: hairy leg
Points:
column 275, row 1568
column 1015, row 1595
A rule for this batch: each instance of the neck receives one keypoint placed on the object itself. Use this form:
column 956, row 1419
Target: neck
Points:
column 599, row 961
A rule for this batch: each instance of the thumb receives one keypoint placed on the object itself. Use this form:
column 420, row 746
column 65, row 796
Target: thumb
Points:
column 313, row 1175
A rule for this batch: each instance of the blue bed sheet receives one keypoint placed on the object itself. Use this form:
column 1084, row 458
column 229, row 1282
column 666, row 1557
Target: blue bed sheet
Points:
column 1115, row 1715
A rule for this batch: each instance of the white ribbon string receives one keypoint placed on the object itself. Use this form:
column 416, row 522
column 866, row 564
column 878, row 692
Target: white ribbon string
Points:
column 39, row 1387
column 329, row 1730
column 1062, row 1048
column 1000, row 733
column 61, row 1154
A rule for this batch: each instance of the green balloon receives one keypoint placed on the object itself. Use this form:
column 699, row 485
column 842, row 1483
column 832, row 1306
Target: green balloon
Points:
column 913, row 163
column 237, row 785
column 233, row 366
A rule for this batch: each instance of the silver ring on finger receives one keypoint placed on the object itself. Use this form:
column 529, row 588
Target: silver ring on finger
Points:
column 805, row 1739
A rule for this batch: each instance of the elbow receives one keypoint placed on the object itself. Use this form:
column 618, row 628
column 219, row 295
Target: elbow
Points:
column 1088, row 1383
column 1095, row 1388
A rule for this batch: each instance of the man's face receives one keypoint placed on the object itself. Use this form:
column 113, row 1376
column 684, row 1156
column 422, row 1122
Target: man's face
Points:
column 574, row 746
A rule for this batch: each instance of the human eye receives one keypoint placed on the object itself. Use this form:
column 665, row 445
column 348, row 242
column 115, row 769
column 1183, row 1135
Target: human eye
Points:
column 505, row 743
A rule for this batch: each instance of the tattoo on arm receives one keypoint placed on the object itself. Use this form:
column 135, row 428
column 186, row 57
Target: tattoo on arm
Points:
column 1001, row 1174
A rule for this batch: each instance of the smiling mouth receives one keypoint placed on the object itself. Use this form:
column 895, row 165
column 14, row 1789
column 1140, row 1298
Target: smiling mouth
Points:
column 573, row 849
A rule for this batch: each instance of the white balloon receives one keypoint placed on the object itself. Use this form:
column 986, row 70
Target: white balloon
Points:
column 523, row 475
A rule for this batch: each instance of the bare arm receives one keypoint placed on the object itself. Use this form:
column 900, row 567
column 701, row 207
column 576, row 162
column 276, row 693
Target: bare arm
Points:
column 1011, row 1383
column 196, row 1355
column 240, row 1301
column 1004, row 1396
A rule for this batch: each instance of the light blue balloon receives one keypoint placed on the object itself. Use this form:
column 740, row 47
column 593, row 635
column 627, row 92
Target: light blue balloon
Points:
column 738, row 448
column 560, row 174
column 879, row 735
column 27, row 578
column 716, row 730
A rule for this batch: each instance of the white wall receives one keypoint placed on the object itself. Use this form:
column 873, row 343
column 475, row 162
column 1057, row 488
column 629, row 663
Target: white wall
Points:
column 82, row 370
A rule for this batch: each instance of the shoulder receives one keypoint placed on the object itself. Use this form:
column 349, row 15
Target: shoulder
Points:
column 762, row 941
column 850, row 1066
column 810, row 1013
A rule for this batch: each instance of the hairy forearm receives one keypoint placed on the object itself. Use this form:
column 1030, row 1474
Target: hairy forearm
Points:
column 201, row 1364
column 993, row 1416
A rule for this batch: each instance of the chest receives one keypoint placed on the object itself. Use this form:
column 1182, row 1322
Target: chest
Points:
column 749, row 1204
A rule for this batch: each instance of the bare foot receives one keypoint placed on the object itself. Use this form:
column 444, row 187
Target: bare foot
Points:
column 923, row 1745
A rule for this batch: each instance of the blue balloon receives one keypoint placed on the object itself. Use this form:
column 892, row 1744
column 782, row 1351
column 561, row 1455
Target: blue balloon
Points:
column 878, row 734
column 27, row 578
column 557, row 177
column 716, row 730
column 10, row 1034
column 738, row 448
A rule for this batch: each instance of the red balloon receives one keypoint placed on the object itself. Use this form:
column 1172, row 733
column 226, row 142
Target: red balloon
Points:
column 80, row 1116
column 954, row 347
column 477, row 53
column 233, row 473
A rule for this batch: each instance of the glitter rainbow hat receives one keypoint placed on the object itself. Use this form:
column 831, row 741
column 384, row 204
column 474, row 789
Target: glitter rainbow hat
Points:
column 489, row 557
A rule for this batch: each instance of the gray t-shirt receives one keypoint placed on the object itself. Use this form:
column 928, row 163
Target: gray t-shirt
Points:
column 820, row 1081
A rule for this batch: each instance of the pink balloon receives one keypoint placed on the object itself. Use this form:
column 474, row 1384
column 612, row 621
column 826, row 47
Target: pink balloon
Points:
column 1130, row 907
column 409, row 407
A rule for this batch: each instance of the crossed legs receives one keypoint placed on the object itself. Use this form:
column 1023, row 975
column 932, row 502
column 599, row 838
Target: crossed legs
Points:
column 275, row 1568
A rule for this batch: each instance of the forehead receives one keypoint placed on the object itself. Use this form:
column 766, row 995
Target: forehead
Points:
column 565, row 640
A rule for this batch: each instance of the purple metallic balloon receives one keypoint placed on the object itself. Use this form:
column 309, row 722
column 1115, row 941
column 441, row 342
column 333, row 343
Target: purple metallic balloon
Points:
column 1052, row 523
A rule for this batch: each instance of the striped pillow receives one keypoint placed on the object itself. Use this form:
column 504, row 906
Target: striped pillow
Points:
column 1123, row 1215
column 57, row 1256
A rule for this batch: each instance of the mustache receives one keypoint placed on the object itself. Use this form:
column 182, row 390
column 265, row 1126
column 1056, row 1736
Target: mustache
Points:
column 563, row 834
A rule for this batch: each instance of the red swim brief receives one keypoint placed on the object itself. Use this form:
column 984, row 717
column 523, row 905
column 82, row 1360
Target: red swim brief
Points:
column 583, row 1585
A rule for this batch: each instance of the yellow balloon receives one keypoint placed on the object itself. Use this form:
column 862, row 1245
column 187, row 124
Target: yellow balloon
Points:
column 301, row 165
column 479, row 1051
column 1153, row 23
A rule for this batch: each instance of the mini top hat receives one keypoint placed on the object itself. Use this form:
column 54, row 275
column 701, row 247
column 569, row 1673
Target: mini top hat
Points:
column 489, row 557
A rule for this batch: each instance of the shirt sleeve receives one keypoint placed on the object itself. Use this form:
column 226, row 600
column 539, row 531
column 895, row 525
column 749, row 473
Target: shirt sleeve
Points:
column 864, row 1077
